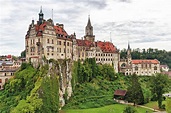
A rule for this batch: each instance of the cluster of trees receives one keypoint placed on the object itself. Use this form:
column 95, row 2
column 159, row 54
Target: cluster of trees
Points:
column 86, row 71
column 163, row 56
column 158, row 85
column 31, row 91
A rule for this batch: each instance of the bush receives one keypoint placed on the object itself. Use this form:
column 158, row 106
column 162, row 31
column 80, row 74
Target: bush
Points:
column 129, row 109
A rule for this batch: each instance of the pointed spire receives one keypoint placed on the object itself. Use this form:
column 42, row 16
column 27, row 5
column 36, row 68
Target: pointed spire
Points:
column 41, row 16
column 89, row 22
column 128, row 46
column 41, row 10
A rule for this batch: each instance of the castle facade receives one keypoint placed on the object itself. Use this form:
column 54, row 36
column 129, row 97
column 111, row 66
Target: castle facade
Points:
column 46, row 39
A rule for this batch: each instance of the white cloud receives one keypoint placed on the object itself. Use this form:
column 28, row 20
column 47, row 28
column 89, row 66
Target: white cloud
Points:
column 142, row 22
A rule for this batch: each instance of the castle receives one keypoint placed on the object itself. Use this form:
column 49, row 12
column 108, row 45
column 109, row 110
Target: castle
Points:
column 45, row 39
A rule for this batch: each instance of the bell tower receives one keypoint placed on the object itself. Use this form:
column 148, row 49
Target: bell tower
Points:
column 89, row 31
column 41, row 16
column 129, row 58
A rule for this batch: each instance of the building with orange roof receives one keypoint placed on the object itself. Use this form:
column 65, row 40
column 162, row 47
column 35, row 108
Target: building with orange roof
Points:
column 131, row 66
column 45, row 39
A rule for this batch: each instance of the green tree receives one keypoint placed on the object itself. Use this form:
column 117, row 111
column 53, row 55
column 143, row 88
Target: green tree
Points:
column 23, row 54
column 134, row 92
column 129, row 109
column 159, row 85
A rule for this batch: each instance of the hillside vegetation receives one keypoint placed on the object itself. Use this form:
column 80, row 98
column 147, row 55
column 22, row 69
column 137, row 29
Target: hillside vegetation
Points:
column 30, row 91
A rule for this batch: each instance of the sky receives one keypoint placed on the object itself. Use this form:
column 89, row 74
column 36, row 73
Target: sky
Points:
column 142, row 23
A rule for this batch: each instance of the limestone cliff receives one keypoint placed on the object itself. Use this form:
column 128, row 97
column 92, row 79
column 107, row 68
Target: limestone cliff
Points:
column 62, row 68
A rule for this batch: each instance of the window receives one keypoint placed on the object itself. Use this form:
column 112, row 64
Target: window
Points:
column 52, row 41
column 0, row 80
column 6, row 79
column 136, row 67
column 155, row 68
column 67, row 43
column 123, row 65
column 64, row 50
column 47, row 53
column 59, row 42
column 47, row 40
column 39, row 40
column 64, row 43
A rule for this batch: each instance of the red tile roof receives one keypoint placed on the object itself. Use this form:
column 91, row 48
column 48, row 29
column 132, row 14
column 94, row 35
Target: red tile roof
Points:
column 120, row 92
column 85, row 43
column 155, row 61
column 107, row 47
column 9, row 56
column 58, row 29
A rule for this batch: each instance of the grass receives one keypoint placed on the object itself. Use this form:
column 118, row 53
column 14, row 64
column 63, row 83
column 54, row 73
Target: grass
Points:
column 154, row 104
column 115, row 108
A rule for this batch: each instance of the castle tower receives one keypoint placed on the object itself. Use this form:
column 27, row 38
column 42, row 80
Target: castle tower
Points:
column 89, row 31
column 41, row 16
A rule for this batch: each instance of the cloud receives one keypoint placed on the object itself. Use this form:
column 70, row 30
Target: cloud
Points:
column 125, row 19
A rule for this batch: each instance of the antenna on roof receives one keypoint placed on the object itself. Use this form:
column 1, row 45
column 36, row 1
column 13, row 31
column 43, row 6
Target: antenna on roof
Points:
column 110, row 38
column 52, row 14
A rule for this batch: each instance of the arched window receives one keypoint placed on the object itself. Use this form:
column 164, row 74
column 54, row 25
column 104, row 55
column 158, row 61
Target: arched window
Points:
column 6, row 79
column 123, row 65
column 155, row 68
column 136, row 67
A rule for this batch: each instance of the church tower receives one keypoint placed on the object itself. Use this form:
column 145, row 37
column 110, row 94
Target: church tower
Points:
column 129, row 58
column 89, row 31
column 41, row 16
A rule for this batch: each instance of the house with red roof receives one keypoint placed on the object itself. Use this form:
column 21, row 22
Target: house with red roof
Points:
column 46, row 39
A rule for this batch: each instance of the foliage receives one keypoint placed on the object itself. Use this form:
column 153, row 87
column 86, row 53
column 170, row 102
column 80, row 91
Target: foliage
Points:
column 89, row 69
column 31, row 91
column 159, row 85
column 168, row 105
column 134, row 91
column 23, row 54
column 163, row 56
column 32, row 103
column 129, row 109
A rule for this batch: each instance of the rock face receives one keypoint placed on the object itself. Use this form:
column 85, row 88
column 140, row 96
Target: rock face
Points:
column 62, row 68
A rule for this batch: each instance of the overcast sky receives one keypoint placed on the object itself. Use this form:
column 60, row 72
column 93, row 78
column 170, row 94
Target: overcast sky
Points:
column 144, row 23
